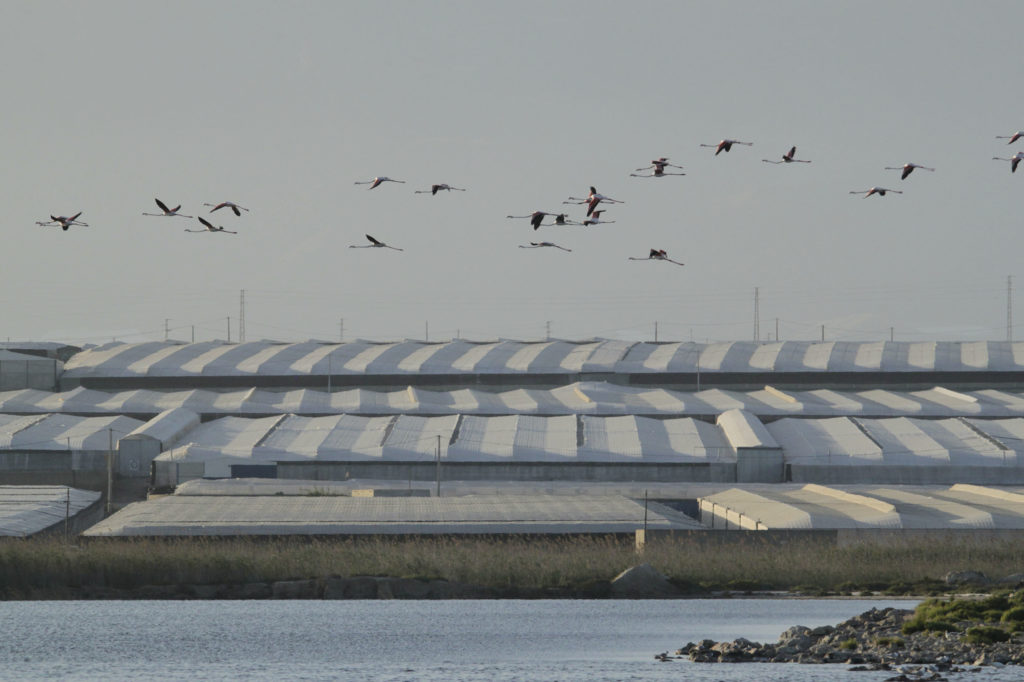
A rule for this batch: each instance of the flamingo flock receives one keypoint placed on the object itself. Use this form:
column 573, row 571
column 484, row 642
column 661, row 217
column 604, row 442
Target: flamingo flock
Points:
column 595, row 201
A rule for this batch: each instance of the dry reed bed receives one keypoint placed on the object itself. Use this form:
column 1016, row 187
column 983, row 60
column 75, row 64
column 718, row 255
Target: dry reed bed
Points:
column 27, row 566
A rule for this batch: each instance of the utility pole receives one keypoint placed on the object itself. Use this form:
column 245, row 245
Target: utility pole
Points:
column 426, row 331
column 167, row 328
column 757, row 315
column 229, row 329
column 1009, row 307
column 655, row 331
column 110, row 468
column 823, row 333
column 547, row 330
column 776, row 329
column 438, row 456
column 341, row 330
column 193, row 333
column 241, row 318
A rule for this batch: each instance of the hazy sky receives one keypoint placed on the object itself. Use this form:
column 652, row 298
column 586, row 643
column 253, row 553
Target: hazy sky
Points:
column 282, row 106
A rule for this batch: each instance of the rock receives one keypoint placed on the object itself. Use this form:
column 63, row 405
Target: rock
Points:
column 966, row 578
column 642, row 581
column 294, row 589
column 1012, row 579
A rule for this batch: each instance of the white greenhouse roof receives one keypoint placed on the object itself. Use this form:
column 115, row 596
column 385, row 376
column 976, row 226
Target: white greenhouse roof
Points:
column 29, row 509
column 182, row 515
column 235, row 440
column 585, row 397
column 64, row 432
column 270, row 358
column 866, row 506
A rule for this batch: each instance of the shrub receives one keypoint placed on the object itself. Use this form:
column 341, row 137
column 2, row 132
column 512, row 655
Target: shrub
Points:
column 1013, row 615
column 894, row 642
column 849, row 644
column 983, row 634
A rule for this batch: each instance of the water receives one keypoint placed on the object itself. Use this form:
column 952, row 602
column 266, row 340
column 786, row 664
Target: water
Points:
column 403, row 640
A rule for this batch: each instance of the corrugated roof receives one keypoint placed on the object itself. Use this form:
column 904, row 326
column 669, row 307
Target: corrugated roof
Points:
column 29, row 509
column 865, row 506
column 547, row 357
column 587, row 397
column 305, row 515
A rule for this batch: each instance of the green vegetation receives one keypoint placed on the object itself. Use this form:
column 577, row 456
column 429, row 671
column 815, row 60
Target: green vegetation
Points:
column 848, row 644
column 983, row 634
column 48, row 567
column 892, row 642
column 954, row 615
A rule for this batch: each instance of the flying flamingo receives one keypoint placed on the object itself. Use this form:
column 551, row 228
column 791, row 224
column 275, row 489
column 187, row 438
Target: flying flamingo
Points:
column 788, row 157
column 1014, row 160
column 168, row 212
column 880, row 191
column 537, row 217
column 1012, row 138
column 377, row 181
column 227, row 204
column 658, row 254
column 657, row 167
column 64, row 221
column 538, row 245
column 210, row 227
column 726, row 145
column 907, row 169
column 374, row 244
column 434, row 189
column 595, row 219
column 592, row 200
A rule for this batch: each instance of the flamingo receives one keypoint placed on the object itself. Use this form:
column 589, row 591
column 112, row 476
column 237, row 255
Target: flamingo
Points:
column 377, row 181
column 538, row 245
column 658, row 254
column 788, row 157
column 168, row 212
column 210, row 227
column 907, row 169
column 1012, row 138
column 659, row 169
column 64, row 221
column 592, row 200
column 227, row 204
column 374, row 244
column 880, row 191
column 434, row 189
column 1014, row 160
column 595, row 219
column 537, row 217
column 726, row 145
column 659, row 164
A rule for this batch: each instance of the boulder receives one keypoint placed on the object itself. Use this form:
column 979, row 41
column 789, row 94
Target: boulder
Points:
column 966, row 578
column 642, row 581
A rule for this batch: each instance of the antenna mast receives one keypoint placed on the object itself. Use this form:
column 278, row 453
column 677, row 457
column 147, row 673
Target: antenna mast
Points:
column 757, row 315
column 241, row 318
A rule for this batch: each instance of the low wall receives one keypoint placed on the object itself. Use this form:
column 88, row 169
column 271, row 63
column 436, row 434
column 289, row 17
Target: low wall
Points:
column 716, row 472
column 842, row 537
column 940, row 474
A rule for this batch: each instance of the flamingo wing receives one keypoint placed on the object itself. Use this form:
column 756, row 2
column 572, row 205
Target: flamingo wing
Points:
column 208, row 224
column 162, row 205
column 375, row 242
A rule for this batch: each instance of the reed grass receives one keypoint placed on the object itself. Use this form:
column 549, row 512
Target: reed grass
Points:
column 41, row 564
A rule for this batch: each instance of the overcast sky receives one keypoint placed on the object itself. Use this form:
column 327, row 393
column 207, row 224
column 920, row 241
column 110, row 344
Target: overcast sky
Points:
column 282, row 106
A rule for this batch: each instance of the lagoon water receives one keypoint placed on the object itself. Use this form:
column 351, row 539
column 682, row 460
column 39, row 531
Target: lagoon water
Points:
column 404, row 640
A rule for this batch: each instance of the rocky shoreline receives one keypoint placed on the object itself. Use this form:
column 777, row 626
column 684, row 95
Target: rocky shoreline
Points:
column 875, row 640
